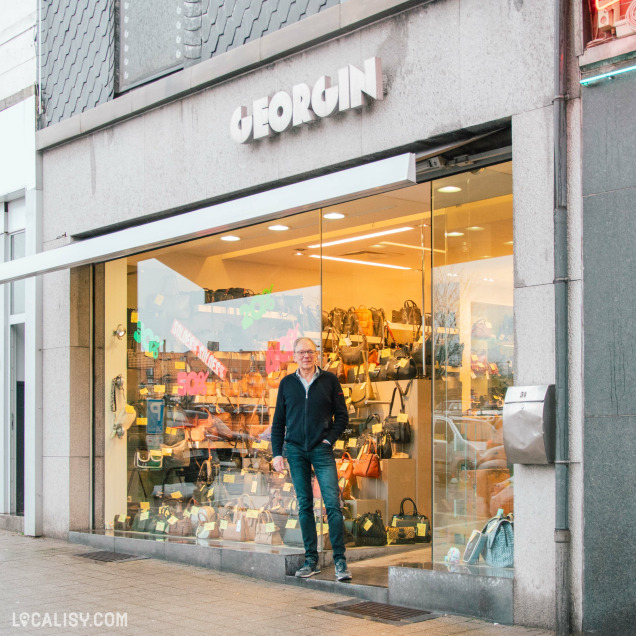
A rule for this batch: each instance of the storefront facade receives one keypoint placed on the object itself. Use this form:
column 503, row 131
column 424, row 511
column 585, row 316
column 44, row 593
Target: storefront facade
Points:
column 195, row 228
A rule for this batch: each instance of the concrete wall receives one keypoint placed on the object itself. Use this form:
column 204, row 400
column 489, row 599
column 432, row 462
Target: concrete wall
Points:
column 609, row 231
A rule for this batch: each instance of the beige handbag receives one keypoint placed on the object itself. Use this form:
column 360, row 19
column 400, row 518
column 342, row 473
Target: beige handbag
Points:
column 266, row 531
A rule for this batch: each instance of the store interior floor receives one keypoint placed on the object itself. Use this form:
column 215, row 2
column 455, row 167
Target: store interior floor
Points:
column 375, row 571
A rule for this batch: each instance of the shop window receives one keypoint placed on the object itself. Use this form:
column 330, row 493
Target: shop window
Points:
column 473, row 351
column 405, row 294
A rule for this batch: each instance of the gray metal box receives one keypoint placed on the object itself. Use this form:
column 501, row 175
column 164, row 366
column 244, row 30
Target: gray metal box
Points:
column 529, row 416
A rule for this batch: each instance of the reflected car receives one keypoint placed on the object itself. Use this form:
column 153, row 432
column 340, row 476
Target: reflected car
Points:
column 460, row 443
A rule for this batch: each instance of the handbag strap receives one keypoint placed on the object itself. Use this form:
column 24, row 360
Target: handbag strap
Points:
column 415, row 513
column 395, row 390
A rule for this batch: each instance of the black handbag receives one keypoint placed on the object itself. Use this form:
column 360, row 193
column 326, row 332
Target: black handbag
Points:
column 385, row 447
column 402, row 368
column 336, row 318
column 415, row 520
column 398, row 425
column 409, row 314
column 350, row 321
column 378, row 318
column 369, row 529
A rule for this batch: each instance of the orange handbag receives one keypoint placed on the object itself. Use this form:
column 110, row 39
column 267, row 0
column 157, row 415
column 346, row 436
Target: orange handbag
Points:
column 368, row 463
column 365, row 320
column 274, row 378
column 345, row 466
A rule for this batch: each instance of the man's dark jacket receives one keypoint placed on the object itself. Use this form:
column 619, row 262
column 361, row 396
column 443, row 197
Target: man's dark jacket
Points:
column 307, row 418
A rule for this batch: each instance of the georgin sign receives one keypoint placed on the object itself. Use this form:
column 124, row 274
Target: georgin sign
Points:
column 305, row 105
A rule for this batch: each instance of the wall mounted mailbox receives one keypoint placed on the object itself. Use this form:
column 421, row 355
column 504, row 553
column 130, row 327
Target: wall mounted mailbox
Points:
column 529, row 417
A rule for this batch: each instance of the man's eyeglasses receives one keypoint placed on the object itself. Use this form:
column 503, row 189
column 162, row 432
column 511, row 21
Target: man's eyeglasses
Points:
column 305, row 352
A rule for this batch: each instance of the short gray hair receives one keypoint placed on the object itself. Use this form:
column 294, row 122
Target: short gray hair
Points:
column 306, row 339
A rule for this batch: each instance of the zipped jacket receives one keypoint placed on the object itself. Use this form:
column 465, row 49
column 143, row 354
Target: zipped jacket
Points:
column 306, row 418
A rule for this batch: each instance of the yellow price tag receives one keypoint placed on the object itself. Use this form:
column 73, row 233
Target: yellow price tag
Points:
column 270, row 527
column 144, row 505
column 394, row 523
column 142, row 421
column 372, row 367
column 287, row 486
column 170, row 430
column 143, row 391
column 223, row 524
column 172, row 520
column 353, row 442
column 403, row 362
column 402, row 417
column 166, row 450
column 254, row 487
column 148, row 354
column 160, row 388
column 186, row 513
column 322, row 528
column 195, row 510
column 179, row 364
column 161, row 526
column 339, row 445
column 144, row 515
column 210, row 525
column 129, row 408
column 252, row 514
column 376, row 428
column 121, row 518
column 134, row 316
column 175, row 390
column 176, row 494
column 421, row 529
column 367, row 524
column 385, row 353
column 228, row 479
column 291, row 523
column 159, row 299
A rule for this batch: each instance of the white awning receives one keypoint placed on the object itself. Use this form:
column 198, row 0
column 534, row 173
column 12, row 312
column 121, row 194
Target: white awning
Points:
column 352, row 183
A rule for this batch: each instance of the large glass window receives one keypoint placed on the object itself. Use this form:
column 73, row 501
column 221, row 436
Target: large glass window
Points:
column 473, row 349
column 407, row 295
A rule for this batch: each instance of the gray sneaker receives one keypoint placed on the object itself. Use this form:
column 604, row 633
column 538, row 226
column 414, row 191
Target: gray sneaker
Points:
column 342, row 571
column 308, row 569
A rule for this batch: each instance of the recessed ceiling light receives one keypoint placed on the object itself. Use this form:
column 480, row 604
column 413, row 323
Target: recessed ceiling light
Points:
column 350, row 260
column 278, row 228
column 360, row 238
column 486, row 256
column 508, row 243
column 230, row 237
column 333, row 215
column 449, row 189
column 475, row 228
column 489, row 280
column 454, row 234
column 298, row 253
column 451, row 274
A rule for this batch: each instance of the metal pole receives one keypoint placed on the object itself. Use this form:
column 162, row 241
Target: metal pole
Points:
column 561, row 280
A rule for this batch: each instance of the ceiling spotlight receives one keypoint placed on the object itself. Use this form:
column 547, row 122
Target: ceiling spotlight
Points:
column 298, row 253
column 333, row 215
column 230, row 237
column 508, row 243
column 120, row 332
column 278, row 228
column 489, row 280
column 453, row 234
column 451, row 274
column 475, row 228
column 449, row 189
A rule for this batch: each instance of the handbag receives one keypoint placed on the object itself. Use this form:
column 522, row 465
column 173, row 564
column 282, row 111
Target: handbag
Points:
column 369, row 529
column 378, row 319
column 148, row 459
column 274, row 378
column 207, row 527
column 176, row 455
column 350, row 321
column 291, row 532
column 385, row 447
column 401, row 368
column 336, row 318
column 365, row 320
column 345, row 466
column 400, row 536
column 368, row 463
column 353, row 356
column 398, row 425
column 499, row 549
column 420, row 523
column 474, row 547
column 409, row 314
column 266, row 531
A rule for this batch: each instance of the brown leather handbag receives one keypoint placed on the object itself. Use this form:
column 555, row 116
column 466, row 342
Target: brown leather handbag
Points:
column 368, row 463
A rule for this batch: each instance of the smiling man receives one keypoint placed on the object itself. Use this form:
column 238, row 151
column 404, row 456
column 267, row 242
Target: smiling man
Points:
column 310, row 416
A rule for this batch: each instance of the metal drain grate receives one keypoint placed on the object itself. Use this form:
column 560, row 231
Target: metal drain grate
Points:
column 110, row 557
column 379, row 612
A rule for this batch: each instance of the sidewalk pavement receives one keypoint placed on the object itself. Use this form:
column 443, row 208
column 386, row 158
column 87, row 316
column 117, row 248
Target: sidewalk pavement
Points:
column 45, row 588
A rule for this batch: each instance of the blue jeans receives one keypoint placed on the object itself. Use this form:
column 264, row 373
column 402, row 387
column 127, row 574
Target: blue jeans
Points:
column 322, row 459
